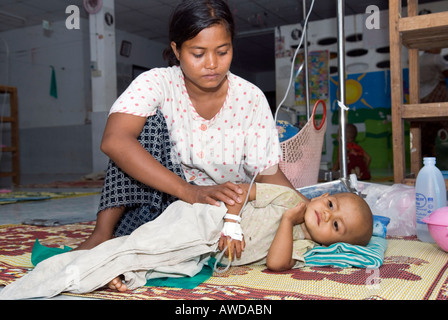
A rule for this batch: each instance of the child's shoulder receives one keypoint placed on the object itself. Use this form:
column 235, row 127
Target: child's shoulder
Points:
column 271, row 186
column 273, row 193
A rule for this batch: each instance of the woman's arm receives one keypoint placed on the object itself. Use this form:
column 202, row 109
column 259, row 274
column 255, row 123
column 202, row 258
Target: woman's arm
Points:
column 121, row 145
column 235, row 209
column 279, row 256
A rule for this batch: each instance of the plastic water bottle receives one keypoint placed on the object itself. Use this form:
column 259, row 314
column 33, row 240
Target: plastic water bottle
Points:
column 430, row 194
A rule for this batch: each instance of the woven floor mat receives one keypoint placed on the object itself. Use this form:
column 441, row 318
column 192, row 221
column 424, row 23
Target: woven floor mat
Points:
column 411, row 270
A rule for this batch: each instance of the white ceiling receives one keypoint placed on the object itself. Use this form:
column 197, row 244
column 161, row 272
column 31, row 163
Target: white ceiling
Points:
column 255, row 19
column 149, row 18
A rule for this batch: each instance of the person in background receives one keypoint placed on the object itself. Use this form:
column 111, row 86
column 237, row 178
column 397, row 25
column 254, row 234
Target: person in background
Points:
column 358, row 160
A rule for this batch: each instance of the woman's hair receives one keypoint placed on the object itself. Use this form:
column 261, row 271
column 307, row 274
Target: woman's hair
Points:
column 191, row 17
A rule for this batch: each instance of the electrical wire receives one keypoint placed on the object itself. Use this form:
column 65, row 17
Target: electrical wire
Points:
column 292, row 77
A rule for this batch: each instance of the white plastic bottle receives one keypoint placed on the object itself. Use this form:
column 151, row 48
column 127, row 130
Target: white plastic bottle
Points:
column 430, row 194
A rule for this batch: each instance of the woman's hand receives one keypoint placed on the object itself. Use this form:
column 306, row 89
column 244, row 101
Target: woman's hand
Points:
column 229, row 193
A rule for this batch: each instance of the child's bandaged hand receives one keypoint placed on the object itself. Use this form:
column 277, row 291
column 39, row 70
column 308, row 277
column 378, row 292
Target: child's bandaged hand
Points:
column 232, row 237
column 236, row 246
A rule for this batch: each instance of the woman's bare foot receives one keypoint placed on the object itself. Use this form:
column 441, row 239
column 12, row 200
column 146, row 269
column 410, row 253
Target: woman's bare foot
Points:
column 117, row 284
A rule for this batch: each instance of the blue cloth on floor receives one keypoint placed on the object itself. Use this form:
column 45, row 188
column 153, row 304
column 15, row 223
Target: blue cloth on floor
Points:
column 185, row 282
column 41, row 252
column 344, row 255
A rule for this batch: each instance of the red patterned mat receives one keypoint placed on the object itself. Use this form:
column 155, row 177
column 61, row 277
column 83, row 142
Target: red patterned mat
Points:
column 411, row 270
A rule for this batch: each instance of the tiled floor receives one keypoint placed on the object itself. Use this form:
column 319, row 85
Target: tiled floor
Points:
column 63, row 211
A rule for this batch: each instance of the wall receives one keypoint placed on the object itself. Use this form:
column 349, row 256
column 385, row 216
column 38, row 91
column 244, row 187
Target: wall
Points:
column 32, row 54
column 55, row 132
column 144, row 53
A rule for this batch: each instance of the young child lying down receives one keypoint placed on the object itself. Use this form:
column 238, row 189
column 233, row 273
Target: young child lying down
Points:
column 280, row 225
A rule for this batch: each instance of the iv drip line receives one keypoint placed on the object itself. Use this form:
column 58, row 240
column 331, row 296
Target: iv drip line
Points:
column 292, row 77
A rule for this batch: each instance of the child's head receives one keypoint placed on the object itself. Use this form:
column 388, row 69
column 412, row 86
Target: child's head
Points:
column 351, row 132
column 342, row 217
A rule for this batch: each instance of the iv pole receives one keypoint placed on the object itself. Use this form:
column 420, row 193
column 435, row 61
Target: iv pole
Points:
column 341, row 73
column 305, row 61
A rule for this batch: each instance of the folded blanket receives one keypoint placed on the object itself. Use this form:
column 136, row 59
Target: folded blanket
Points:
column 344, row 255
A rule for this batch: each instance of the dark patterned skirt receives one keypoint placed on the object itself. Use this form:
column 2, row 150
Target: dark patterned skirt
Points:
column 141, row 203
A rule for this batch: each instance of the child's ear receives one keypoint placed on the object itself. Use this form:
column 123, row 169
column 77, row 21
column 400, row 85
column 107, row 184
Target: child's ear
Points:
column 174, row 47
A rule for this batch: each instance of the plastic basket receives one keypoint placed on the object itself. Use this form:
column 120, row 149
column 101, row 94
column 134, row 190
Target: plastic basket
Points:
column 302, row 153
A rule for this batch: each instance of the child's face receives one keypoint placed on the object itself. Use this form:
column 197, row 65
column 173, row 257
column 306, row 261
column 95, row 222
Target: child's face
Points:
column 335, row 218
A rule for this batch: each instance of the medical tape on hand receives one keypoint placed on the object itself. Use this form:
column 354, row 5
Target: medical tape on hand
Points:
column 232, row 230
column 233, row 217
